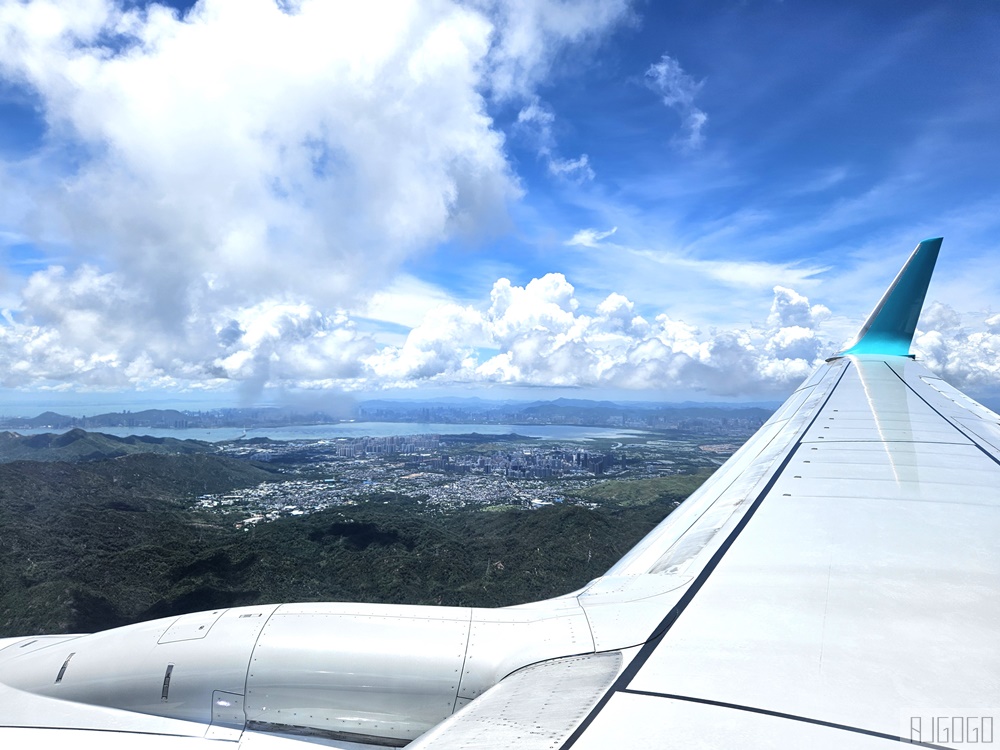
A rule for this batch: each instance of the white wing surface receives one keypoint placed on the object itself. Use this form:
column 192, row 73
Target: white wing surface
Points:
column 833, row 585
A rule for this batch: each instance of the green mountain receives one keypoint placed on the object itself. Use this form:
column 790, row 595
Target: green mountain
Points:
column 90, row 545
column 79, row 445
column 87, row 546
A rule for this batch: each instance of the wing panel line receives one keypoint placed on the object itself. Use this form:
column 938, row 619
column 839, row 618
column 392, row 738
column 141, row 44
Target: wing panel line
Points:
column 780, row 715
column 655, row 638
column 99, row 730
column 883, row 442
column 930, row 406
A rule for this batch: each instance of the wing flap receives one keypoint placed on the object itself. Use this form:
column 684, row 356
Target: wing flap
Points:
column 535, row 708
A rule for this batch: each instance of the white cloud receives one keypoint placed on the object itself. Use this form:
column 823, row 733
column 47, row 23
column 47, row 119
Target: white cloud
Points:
column 405, row 301
column 538, row 334
column 968, row 359
column 536, row 114
column 542, row 337
column 677, row 90
column 590, row 237
column 576, row 170
column 251, row 170
column 735, row 274
column 535, row 120
column 442, row 345
column 528, row 30
column 79, row 328
column 311, row 150
column 790, row 308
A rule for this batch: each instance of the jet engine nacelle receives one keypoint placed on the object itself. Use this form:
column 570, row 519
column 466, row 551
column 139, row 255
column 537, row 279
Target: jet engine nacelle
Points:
column 352, row 671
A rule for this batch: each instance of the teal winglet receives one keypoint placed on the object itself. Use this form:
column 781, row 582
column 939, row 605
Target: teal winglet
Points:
column 889, row 329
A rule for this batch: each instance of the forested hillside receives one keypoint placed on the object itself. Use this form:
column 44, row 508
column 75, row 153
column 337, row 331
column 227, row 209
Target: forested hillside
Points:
column 87, row 546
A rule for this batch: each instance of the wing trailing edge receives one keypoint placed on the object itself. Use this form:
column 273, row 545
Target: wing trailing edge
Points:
column 889, row 329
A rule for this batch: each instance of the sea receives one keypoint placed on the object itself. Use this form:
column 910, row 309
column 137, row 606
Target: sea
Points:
column 365, row 429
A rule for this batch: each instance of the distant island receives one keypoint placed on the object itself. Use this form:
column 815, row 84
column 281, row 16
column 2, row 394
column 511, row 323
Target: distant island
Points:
column 563, row 411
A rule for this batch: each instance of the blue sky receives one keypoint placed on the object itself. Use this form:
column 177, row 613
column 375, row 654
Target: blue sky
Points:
column 232, row 202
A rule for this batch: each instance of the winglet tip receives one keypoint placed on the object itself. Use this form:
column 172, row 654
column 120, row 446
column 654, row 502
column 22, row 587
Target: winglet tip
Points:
column 931, row 243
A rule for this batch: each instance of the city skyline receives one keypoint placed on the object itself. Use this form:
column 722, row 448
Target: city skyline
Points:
column 218, row 203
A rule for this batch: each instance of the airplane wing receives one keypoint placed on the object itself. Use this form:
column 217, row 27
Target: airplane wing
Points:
column 842, row 574
column 833, row 585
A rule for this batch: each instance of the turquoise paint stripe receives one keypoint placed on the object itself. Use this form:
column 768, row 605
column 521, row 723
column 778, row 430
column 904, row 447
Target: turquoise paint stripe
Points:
column 889, row 329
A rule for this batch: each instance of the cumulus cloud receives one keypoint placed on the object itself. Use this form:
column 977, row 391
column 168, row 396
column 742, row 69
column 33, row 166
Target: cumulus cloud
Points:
column 968, row 357
column 440, row 348
column 308, row 150
column 791, row 309
column 677, row 90
column 542, row 336
column 538, row 334
column 79, row 329
column 238, row 176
